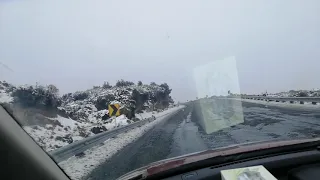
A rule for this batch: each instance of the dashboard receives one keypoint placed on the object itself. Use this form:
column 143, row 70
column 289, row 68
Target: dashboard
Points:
column 303, row 165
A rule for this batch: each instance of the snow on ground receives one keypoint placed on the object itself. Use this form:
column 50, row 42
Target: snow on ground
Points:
column 145, row 115
column 66, row 130
column 121, row 120
column 78, row 167
column 4, row 97
column 47, row 139
column 56, row 135
column 69, row 122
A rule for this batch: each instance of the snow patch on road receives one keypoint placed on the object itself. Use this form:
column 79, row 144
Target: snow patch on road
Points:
column 78, row 167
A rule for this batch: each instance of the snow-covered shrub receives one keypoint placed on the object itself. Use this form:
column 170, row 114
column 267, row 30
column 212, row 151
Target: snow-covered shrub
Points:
column 80, row 95
column 302, row 94
column 67, row 97
column 106, row 85
column 123, row 83
column 103, row 101
column 5, row 87
column 139, row 100
column 37, row 96
column 97, row 130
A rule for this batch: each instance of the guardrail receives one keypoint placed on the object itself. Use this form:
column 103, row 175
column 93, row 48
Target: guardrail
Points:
column 302, row 100
column 77, row 147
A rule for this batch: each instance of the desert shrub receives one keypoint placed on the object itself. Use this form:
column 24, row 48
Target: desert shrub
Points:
column 106, row 85
column 103, row 101
column 122, row 83
column 37, row 96
column 80, row 95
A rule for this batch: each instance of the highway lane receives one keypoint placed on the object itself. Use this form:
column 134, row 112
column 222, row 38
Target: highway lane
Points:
column 192, row 130
column 186, row 139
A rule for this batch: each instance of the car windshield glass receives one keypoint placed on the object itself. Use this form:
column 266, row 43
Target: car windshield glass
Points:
column 106, row 87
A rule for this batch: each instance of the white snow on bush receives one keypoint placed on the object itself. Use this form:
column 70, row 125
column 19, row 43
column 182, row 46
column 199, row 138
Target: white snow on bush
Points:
column 84, row 105
column 78, row 167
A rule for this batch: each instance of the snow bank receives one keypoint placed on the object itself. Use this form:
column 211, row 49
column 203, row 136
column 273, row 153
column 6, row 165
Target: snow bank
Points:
column 145, row 114
column 61, row 132
column 5, row 98
column 77, row 168
column 69, row 122
column 48, row 140
column 121, row 120
column 66, row 130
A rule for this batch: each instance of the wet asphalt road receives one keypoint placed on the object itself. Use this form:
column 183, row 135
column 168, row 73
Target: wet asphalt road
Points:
column 186, row 133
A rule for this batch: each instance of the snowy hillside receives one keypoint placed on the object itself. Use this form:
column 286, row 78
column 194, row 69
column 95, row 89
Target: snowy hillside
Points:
column 91, row 105
column 66, row 131
column 55, row 121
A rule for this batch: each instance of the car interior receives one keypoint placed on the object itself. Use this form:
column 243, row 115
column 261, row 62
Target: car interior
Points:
column 303, row 165
column 22, row 158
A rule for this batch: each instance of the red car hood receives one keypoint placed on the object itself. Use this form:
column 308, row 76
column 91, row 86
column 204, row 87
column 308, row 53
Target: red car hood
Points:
column 163, row 165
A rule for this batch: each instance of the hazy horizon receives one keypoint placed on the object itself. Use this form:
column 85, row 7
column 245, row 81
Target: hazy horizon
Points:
column 78, row 44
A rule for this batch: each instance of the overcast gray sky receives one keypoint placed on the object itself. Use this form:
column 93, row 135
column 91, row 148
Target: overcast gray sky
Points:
column 76, row 44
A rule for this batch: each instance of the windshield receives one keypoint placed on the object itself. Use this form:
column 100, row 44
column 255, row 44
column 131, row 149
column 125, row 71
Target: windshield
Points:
column 106, row 87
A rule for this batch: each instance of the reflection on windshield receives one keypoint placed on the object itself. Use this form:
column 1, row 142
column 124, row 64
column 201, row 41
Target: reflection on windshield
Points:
column 219, row 114
column 221, row 79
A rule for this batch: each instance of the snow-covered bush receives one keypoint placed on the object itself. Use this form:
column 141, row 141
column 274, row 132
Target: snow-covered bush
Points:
column 140, row 98
column 37, row 96
column 80, row 95
column 103, row 101
column 123, row 83
column 302, row 94
column 92, row 105
column 106, row 85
